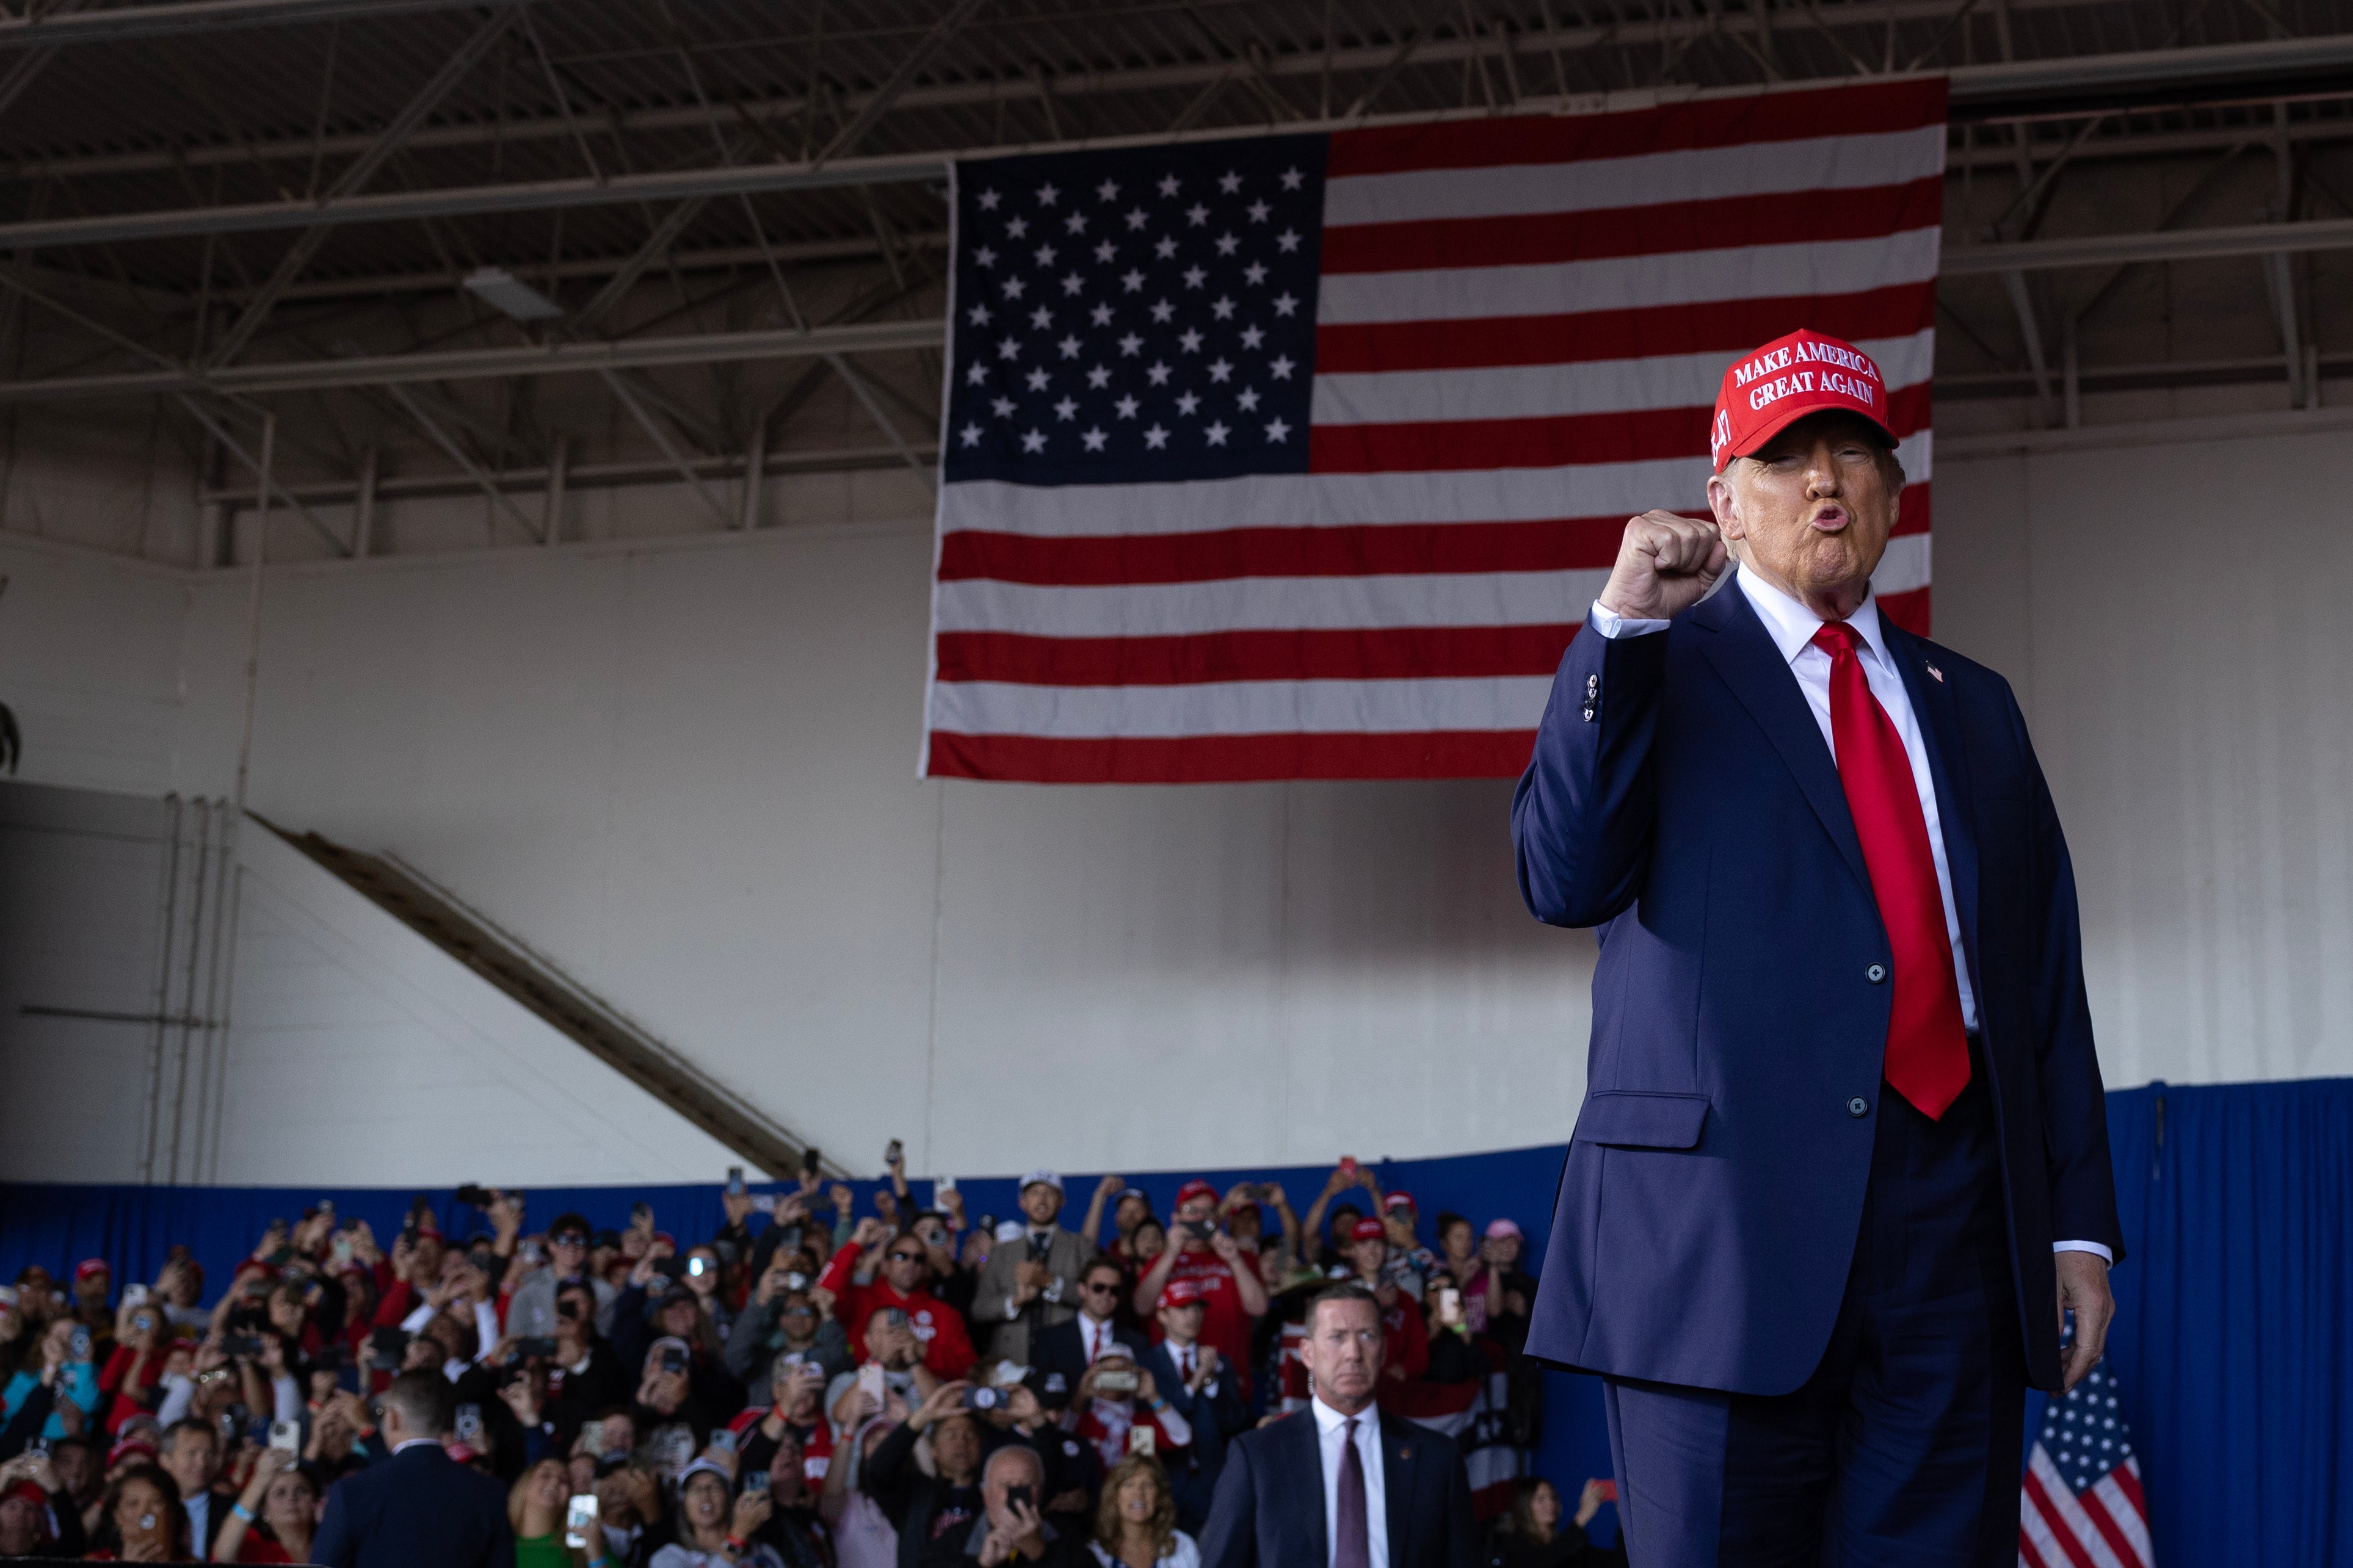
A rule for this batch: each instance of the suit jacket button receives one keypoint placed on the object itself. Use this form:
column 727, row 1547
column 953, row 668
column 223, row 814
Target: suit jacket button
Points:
column 1592, row 686
column 1589, row 713
column 1875, row 974
column 1858, row 1106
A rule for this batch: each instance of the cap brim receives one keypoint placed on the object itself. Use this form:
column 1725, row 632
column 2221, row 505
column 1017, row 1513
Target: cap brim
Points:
column 1774, row 426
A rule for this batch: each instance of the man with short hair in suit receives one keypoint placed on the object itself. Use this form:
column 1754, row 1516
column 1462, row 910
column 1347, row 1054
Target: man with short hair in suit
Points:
column 1201, row 1388
column 1062, row 1354
column 1339, row 1485
column 1032, row 1283
column 420, row 1506
column 1842, row 1160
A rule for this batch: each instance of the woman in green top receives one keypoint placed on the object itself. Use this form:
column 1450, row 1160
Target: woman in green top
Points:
column 536, row 1508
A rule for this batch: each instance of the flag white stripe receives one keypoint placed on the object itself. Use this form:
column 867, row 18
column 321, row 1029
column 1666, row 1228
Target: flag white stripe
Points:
column 2037, row 1525
column 1650, row 179
column 2072, row 1517
column 1268, row 604
column 1314, row 604
column 1543, row 391
column 1244, row 708
column 1629, row 282
column 1344, row 501
column 2127, row 1519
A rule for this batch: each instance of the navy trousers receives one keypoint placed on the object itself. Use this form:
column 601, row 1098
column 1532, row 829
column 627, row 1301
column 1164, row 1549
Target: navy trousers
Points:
column 1904, row 1447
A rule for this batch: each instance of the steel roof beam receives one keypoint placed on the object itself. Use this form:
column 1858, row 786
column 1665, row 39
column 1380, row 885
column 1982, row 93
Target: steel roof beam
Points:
column 2168, row 245
column 123, row 23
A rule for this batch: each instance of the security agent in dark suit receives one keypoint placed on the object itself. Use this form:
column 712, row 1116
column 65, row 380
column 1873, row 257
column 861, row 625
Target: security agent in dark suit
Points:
column 1062, row 1354
column 1339, row 1485
column 1201, row 1389
column 420, row 1506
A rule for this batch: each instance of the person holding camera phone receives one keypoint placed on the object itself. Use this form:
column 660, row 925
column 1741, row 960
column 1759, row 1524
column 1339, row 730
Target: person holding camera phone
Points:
column 33, row 1492
column 1062, row 1354
column 1195, row 1380
column 283, row 1496
column 795, row 1531
column 531, row 1310
column 715, row 1525
column 1120, row 1410
column 1401, row 1322
column 796, row 1413
column 933, row 1508
column 1032, row 1283
column 586, row 1377
column 1233, row 1290
column 946, row 1346
column 782, row 1320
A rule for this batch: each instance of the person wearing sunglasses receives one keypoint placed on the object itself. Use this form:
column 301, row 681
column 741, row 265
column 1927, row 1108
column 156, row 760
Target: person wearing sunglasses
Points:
column 1062, row 1354
column 531, row 1310
column 904, row 1281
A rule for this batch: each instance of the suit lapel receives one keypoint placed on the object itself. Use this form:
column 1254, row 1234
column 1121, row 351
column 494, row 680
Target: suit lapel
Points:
column 1307, row 1450
column 1400, row 1452
column 1940, row 731
column 1750, row 662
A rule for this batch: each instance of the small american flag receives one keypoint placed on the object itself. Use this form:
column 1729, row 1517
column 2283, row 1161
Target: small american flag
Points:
column 2081, row 1505
column 1300, row 456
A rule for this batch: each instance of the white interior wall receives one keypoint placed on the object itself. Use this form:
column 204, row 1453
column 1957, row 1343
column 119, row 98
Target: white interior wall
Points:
column 686, row 770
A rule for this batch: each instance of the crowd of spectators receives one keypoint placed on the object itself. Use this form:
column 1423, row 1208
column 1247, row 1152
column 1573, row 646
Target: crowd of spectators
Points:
column 810, row 1387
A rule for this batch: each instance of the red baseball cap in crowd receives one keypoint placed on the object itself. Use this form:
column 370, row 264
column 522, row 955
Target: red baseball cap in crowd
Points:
column 1181, row 1293
column 1397, row 1201
column 1368, row 1230
column 1196, row 1188
column 1766, row 391
column 136, row 1445
column 89, row 1266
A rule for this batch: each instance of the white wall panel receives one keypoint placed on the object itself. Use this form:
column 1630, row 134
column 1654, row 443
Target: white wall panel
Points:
column 687, row 771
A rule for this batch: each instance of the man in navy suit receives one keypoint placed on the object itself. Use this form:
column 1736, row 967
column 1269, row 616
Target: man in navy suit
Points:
column 1340, row 1485
column 1202, row 1390
column 420, row 1506
column 1843, row 1161
column 1062, row 1353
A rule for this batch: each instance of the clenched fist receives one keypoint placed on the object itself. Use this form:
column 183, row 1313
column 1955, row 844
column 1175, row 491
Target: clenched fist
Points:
column 1665, row 564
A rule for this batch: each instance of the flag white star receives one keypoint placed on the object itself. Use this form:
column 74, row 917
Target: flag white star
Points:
column 1167, row 185
column 1035, row 441
column 1229, row 182
column 1073, row 284
column 1002, row 408
column 989, row 200
column 1248, row 399
column 1048, row 195
column 1259, row 211
column 1290, row 179
column 1222, row 306
column 1066, row 408
column 1164, row 249
column 1105, row 251
column 1157, row 373
column 1254, row 274
column 978, row 315
column 1018, row 228
column 1108, row 191
column 971, row 433
column 1046, row 254
column 1163, row 311
column 985, row 256
column 1132, row 280
column 1099, row 315
column 1127, row 407
column 1010, row 348
column 1015, row 288
column 1252, row 337
column 1156, row 437
column 1075, row 223
column 1037, row 380
column 1136, row 218
column 1095, row 437
column 1186, row 402
column 1194, row 278
column 1283, row 366
column 1216, row 432
column 1189, row 340
column 1098, row 378
column 1196, row 214
column 976, row 374
column 1221, row 371
column 1042, row 318
column 1285, row 303
column 1287, row 241
column 1128, row 346
column 1226, row 244
column 1278, row 430
column 1070, row 346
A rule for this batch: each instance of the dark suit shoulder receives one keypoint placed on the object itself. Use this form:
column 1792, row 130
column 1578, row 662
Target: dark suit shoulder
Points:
column 1276, row 1436
column 1423, row 1443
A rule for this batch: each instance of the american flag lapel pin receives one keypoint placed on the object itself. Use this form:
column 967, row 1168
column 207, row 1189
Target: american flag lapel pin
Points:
column 1938, row 673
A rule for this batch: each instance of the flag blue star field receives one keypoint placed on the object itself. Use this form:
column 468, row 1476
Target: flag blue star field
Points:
column 2080, row 1506
column 1301, row 456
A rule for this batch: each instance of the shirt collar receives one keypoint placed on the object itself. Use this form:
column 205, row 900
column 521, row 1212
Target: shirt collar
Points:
column 1792, row 626
column 1328, row 1420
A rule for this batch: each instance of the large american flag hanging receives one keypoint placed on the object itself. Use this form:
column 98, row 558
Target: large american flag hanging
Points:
column 1301, row 456
column 2080, row 1506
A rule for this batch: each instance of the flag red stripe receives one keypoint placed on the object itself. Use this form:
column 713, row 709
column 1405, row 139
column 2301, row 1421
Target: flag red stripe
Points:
column 1725, row 223
column 1372, row 550
column 1233, row 759
column 1561, row 139
column 2128, row 1482
column 2098, row 1512
column 2061, row 1531
column 1909, row 609
column 1402, row 653
column 1636, row 435
column 1729, row 327
column 2028, row 1554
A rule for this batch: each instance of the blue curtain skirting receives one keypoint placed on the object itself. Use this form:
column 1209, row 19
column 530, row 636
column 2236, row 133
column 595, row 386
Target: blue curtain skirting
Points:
column 2234, row 1343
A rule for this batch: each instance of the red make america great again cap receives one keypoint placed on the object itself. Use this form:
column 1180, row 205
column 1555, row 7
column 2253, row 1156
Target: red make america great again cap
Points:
column 1768, row 390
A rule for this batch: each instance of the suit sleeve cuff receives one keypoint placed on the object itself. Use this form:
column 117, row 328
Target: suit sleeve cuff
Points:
column 1609, row 624
column 2092, row 1247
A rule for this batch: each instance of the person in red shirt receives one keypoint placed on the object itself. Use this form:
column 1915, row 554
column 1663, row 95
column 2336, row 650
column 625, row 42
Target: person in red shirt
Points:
column 1232, row 1291
column 1407, row 1336
column 901, row 1282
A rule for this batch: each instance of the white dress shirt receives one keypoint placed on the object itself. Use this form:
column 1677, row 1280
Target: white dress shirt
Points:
column 1097, row 1335
column 1792, row 626
column 1331, row 1436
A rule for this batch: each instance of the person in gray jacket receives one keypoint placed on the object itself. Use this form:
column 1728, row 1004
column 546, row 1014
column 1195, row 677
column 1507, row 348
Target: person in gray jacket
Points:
column 1031, row 1280
column 530, row 1310
column 778, row 1320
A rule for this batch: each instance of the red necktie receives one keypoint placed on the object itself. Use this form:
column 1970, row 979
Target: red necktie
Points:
column 1927, row 1054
